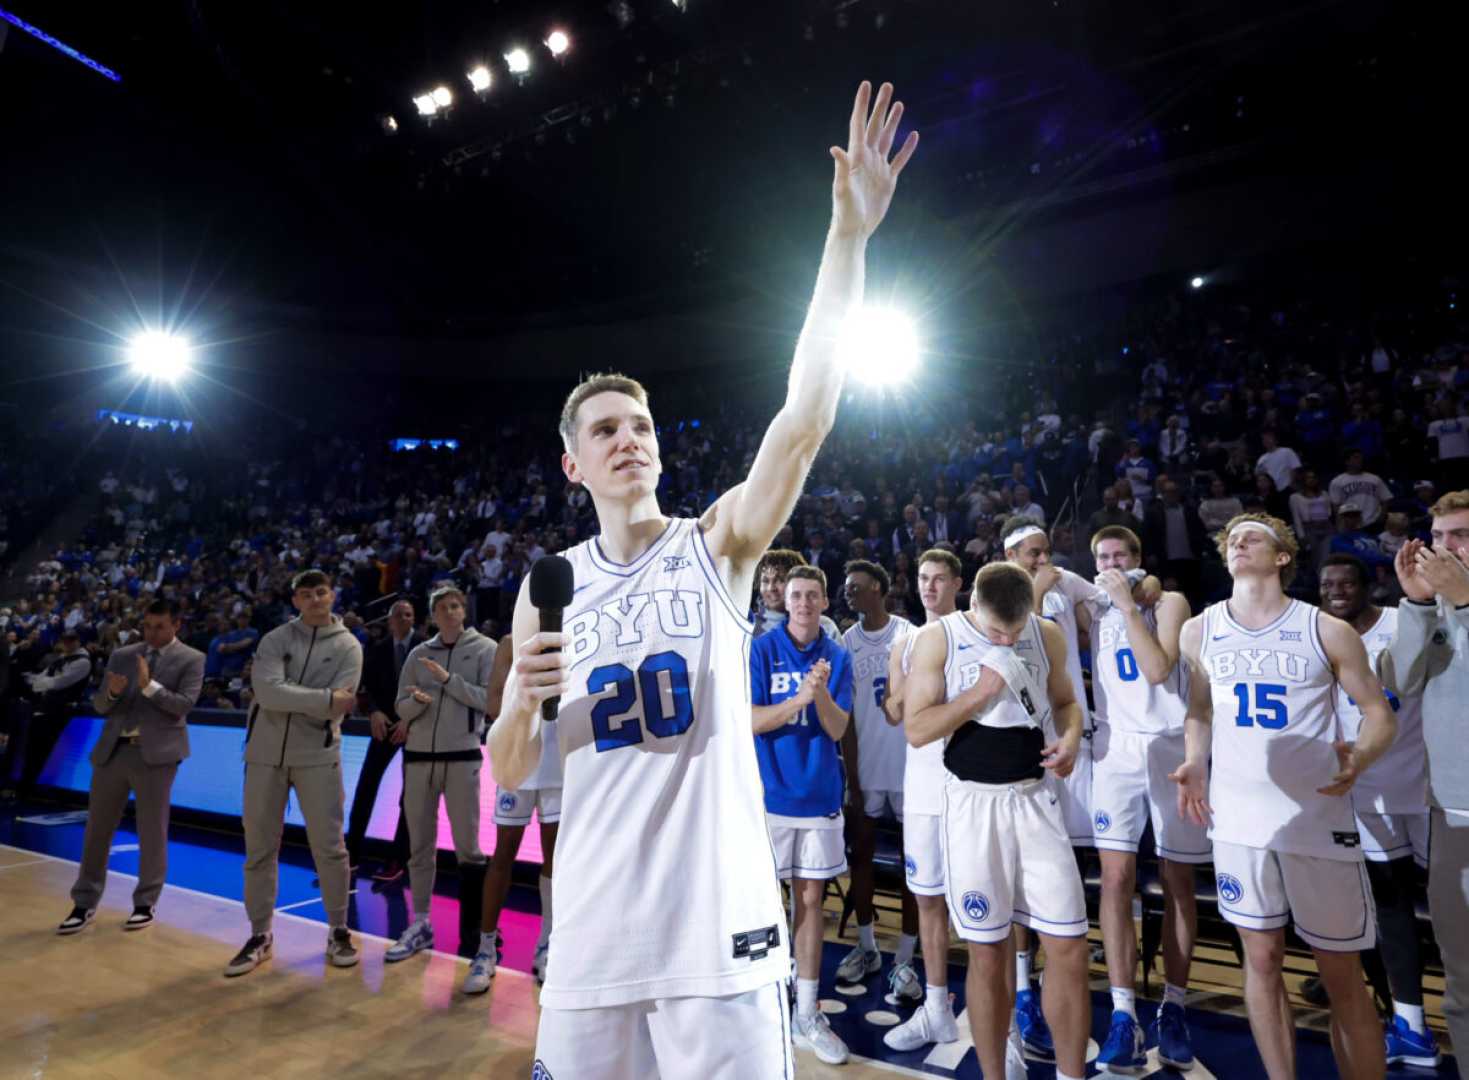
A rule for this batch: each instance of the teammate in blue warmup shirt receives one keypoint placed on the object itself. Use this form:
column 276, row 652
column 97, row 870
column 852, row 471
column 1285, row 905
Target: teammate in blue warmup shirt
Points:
column 801, row 693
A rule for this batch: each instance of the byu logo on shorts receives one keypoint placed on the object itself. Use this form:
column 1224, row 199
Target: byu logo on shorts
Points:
column 540, row 1072
column 910, row 864
column 507, row 801
column 1103, row 821
column 976, row 906
column 1230, row 890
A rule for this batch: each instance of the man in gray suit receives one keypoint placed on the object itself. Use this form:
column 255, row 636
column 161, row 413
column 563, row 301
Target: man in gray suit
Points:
column 145, row 696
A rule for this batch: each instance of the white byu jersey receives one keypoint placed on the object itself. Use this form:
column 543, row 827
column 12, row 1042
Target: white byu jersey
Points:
column 881, row 747
column 669, row 886
column 1059, row 605
column 1397, row 782
column 1274, row 696
column 923, row 767
column 1125, row 700
column 967, row 647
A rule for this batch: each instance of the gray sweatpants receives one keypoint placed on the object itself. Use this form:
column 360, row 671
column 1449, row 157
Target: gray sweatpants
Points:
column 424, row 782
column 1448, row 903
column 320, row 796
column 126, row 772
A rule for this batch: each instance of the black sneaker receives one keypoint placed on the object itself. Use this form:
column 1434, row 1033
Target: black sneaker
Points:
column 256, row 951
column 79, row 919
column 1314, row 992
column 140, row 919
column 388, row 873
column 339, row 948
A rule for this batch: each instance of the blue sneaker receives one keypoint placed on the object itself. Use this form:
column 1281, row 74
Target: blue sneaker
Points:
column 1408, row 1047
column 1035, row 1034
column 415, row 939
column 1124, row 1050
column 1171, row 1034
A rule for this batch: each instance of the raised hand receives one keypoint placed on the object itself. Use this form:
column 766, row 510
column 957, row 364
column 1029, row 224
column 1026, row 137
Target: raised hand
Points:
column 1118, row 589
column 537, row 674
column 434, row 668
column 1405, row 562
column 865, row 178
column 117, row 682
column 1444, row 573
column 144, row 675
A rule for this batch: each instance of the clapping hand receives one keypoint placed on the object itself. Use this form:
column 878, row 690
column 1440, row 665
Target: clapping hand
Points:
column 1415, row 585
column 421, row 696
column 117, row 682
column 434, row 668
column 144, row 675
column 1445, row 573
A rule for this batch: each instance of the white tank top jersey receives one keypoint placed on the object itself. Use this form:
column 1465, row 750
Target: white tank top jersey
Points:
column 881, row 747
column 1274, row 696
column 923, row 767
column 1397, row 782
column 967, row 647
column 673, row 890
column 1125, row 700
column 1059, row 606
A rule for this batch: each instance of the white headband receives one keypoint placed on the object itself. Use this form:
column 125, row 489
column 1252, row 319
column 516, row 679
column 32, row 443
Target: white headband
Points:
column 1022, row 534
column 1255, row 525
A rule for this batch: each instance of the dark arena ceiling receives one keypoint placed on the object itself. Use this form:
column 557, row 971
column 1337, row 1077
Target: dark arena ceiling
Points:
column 243, row 172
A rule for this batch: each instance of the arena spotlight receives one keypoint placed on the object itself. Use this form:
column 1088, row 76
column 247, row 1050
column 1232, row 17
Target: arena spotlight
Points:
column 518, row 61
column 1197, row 283
column 158, row 355
column 479, row 79
column 879, row 346
column 558, row 42
column 426, row 104
column 390, row 124
column 442, row 97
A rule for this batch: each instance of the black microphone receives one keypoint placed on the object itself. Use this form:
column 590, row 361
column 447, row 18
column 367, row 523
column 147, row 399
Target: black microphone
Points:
column 551, row 586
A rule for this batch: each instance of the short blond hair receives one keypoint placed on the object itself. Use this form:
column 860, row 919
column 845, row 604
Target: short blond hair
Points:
column 1450, row 502
column 607, row 382
column 947, row 559
column 1284, row 540
column 1118, row 532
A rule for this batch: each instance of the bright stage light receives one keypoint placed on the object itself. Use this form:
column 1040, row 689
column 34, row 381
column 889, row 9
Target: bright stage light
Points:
column 518, row 61
column 1197, row 283
column 156, row 355
column 479, row 79
column 880, row 346
column 426, row 104
column 558, row 42
column 442, row 97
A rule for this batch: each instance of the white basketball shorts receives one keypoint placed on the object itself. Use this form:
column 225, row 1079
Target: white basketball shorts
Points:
column 741, row 1037
column 1130, row 786
column 923, row 854
column 1075, row 797
column 514, row 807
column 810, row 848
column 1394, row 836
column 1329, row 900
column 1007, row 859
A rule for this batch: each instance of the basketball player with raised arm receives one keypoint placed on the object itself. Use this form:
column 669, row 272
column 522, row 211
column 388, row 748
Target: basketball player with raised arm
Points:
column 1286, row 845
column 940, row 575
column 984, row 681
column 668, row 956
column 1140, row 692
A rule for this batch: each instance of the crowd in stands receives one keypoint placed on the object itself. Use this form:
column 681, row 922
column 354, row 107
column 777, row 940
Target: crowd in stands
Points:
column 1212, row 410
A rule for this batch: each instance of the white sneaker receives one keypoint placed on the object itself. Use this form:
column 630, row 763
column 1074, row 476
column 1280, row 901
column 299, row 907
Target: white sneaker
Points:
column 418, row 936
column 905, row 984
column 815, row 1034
column 858, row 964
column 481, row 970
column 920, row 1030
column 1015, row 1067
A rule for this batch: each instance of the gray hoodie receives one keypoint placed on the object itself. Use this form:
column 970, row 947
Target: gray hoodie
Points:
column 296, row 669
column 1430, row 656
column 451, row 726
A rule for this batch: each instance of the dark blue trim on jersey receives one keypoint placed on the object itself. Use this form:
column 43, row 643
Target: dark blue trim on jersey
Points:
column 595, row 553
column 1314, row 633
column 887, row 633
column 711, row 573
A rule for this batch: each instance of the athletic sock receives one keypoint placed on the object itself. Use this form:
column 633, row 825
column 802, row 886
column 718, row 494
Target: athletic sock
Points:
column 1123, row 1001
column 1022, row 971
column 1064, row 1076
column 1413, row 1014
column 1173, row 995
column 545, row 912
column 867, row 938
column 487, row 941
column 806, row 998
column 907, row 944
column 936, row 1001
